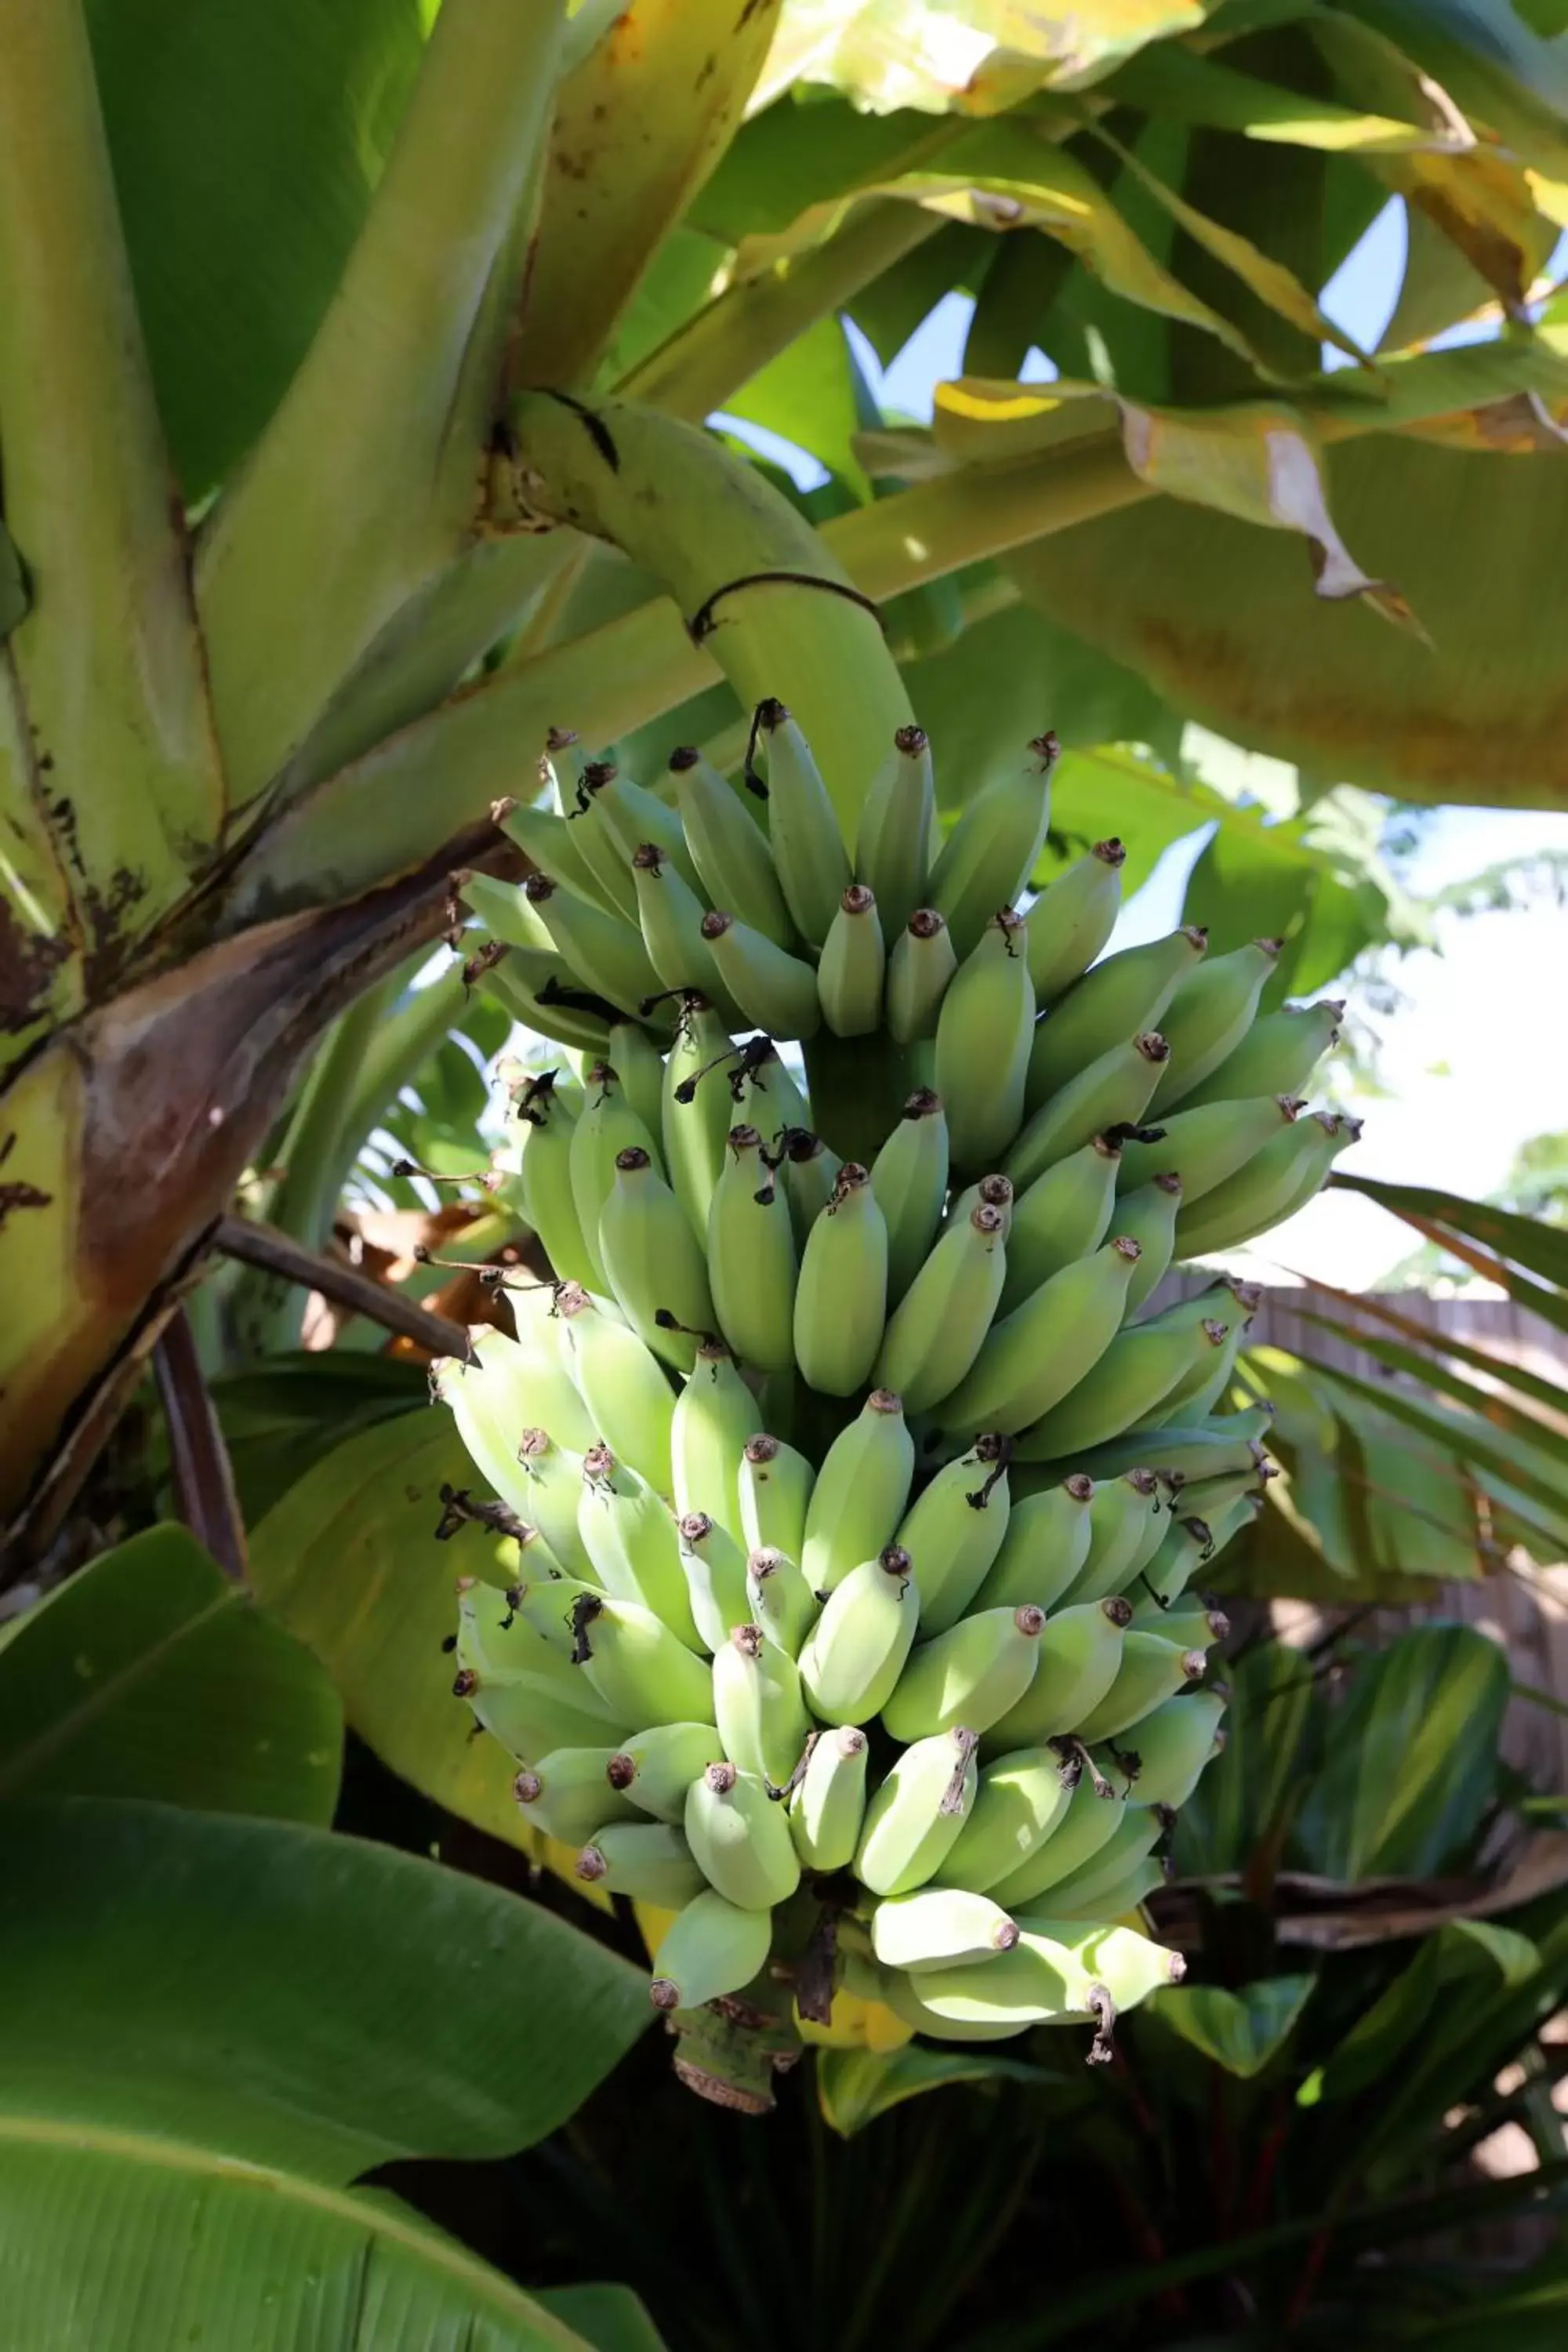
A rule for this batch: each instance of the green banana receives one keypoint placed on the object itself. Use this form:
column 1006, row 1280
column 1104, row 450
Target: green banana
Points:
column 854, row 958
column 657, row 1273
column 1151, row 1669
column 1142, row 1364
column 654, row 1770
column 751, row 1256
column 992, row 849
column 1188, row 1542
column 1212, row 1498
column 1136, row 1835
column 639, row 1066
column 776, row 1488
column 630, row 1539
column 938, row 1327
column 1031, row 1358
column 486, row 1397
column 758, row 1705
column 506, row 913
column 697, row 1107
column 553, row 847
column 671, row 914
column 955, row 1529
column 811, row 1174
column 841, row 1295
column 1206, row 1145
column 1018, row 1801
column 1275, row 1182
column 1126, row 994
column 859, row 1494
column 567, row 1794
column 773, row 990
column 775, row 1102
column 729, row 849
column 896, row 819
column 1126, row 1528
column 1209, row 1016
column 606, row 953
column 854, row 1654
column 809, row 856
column 1063, row 1215
column 1045, row 1546
column 1072, row 919
column 638, row 818
column 901, row 1994
column 1193, row 1628
column 641, row 1670
column 551, row 1481
column 711, row 1947
column 713, row 1416
column 782, row 1602
column 608, row 1127
column 593, row 840
column 622, row 1383
column 1169, row 1749
column 983, row 1040
column 1083, row 1828
column 1106, row 1095
column 1224, row 1446
column 939, row 1926
column 740, row 1837
column 1193, row 1397
column 1278, row 1054
column 1078, row 1659
column 991, row 1192
column 547, row 1198
column 1122, row 1901
column 914, row 1818
column 974, row 1673
column 522, row 1686
column 538, row 992
column 715, row 1572
column 1087, row 1973
column 909, row 1177
column 829, row 1805
column 649, row 1861
column 919, row 971
column 1148, row 1216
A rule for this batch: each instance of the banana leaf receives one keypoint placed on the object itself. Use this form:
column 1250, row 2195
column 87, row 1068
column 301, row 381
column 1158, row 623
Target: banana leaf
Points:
column 152, row 1674
column 210, row 2028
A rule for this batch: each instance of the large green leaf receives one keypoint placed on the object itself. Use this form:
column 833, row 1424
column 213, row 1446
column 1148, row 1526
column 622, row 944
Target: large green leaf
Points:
column 1240, row 2031
column 854, row 2086
column 152, row 1674
column 610, row 2318
column 1464, row 1955
column 349, row 1562
column 1410, row 1759
column 1219, row 618
column 1247, row 1794
column 208, row 2028
column 246, row 145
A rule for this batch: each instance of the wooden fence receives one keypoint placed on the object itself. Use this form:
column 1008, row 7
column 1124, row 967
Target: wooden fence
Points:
column 1525, row 1608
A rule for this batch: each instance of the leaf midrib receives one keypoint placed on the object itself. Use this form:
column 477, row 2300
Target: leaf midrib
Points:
column 379, row 2218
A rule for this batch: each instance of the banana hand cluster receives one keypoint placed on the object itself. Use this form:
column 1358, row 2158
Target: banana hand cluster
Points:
column 862, row 1497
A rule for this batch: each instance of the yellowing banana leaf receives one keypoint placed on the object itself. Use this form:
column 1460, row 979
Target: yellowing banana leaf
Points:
column 1212, row 614
column 1269, row 279
column 1493, row 210
column 1240, row 2031
column 977, row 56
column 1409, row 1758
column 1254, row 460
column 210, row 2028
column 1485, row 56
column 1005, row 175
column 1181, row 86
column 150, row 1674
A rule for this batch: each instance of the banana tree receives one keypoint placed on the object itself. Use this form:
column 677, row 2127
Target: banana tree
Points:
column 353, row 380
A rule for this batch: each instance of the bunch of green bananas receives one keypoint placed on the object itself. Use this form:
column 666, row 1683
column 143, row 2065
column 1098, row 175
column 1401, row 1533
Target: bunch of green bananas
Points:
column 861, row 1500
